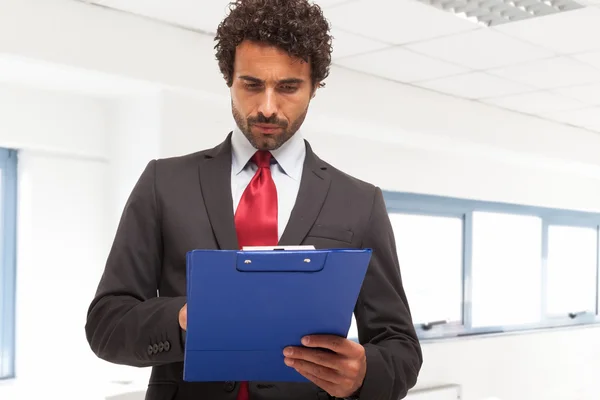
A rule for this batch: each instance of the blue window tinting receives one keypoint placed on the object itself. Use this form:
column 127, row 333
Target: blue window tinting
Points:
column 8, row 216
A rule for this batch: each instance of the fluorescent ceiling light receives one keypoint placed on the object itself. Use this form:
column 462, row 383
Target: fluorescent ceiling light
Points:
column 495, row 12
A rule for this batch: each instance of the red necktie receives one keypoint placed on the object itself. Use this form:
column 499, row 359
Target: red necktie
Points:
column 256, row 217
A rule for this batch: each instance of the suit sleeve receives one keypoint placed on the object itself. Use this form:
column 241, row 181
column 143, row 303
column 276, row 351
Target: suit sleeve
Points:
column 127, row 322
column 385, row 326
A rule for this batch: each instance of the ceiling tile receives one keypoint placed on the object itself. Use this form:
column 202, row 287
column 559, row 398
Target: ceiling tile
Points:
column 592, row 58
column 481, row 49
column 567, row 32
column 550, row 73
column 204, row 16
column 194, row 14
column 536, row 103
column 475, row 85
column 588, row 94
column 349, row 44
column 401, row 65
column 331, row 3
column 396, row 22
column 588, row 118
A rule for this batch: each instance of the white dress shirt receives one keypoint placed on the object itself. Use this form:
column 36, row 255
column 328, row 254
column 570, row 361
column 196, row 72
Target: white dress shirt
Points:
column 286, row 172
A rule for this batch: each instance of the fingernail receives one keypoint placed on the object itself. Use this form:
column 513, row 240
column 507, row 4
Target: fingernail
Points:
column 305, row 340
column 287, row 352
column 289, row 362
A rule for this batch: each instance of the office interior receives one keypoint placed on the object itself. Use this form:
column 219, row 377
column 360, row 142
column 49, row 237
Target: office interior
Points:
column 484, row 138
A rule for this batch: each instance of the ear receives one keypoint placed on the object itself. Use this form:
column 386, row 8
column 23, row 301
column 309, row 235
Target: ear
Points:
column 314, row 90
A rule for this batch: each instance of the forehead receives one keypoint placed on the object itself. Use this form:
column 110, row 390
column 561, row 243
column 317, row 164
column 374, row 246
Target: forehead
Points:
column 268, row 62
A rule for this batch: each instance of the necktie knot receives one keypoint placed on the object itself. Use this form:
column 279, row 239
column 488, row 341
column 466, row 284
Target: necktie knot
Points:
column 262, row 159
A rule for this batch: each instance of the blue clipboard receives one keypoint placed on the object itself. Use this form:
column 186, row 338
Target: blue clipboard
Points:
column 245, row 307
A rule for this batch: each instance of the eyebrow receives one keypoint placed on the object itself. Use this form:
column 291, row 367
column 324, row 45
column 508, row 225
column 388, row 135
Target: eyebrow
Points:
column 286, row 81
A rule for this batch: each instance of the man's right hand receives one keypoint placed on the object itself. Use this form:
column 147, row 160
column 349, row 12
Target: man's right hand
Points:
column 183, row 317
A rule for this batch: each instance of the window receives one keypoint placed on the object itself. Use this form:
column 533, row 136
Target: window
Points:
column 473, row 267
column 571, row 270
column 506, row 269
column 8, row 202
column 430, row 248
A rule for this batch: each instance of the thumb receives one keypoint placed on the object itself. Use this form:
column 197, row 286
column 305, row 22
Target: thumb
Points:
column 183, row 317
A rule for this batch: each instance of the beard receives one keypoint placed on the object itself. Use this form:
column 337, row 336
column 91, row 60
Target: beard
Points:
column 262, row 141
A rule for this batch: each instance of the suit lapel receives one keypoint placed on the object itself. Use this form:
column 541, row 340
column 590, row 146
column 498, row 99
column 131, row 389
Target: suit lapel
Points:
column 311, row 196
column 215, row 182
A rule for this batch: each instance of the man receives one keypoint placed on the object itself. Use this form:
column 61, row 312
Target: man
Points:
column 262, row 186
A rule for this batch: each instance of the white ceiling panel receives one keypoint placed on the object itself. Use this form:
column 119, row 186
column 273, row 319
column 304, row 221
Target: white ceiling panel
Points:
column 536, row 103
column 588, row 118
column 204, row 15
column 349, row 44
column 481, row 49
column 331, row 3
column 591, row 58
column 401, row 65
column 550, row 73
column 396, row 21
column 567, row 32
column 475, row 85
column 589, row 94
column 201, row 15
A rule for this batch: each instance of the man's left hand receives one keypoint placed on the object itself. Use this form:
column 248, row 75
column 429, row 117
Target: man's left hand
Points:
column 340, row 371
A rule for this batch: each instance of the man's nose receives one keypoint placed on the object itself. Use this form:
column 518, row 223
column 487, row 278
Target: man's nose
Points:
column 268, row 105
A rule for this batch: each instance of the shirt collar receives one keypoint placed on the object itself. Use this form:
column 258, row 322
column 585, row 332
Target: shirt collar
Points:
column 290, row 156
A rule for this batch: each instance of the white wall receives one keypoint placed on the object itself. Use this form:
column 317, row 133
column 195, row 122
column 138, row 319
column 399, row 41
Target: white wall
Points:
column 192, row 121
column 463, row 174
column 134, row 139
column 554, row 365
column 50, row 121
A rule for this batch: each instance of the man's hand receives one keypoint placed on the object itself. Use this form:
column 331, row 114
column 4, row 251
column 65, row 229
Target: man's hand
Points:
column 183, row 317
column 340, row 371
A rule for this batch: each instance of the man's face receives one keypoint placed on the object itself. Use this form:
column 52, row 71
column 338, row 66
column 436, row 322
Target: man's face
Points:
column 270, row 94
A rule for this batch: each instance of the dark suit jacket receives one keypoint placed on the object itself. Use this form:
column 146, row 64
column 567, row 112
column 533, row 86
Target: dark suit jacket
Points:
column 185, row 203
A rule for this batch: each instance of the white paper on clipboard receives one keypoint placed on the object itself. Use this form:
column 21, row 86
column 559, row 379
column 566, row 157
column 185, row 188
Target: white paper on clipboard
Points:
column 267, row 248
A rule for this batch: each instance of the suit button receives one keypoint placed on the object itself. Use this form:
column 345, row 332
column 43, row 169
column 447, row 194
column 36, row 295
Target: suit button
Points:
column 161, row 347
column 167, row 345
column 150, row 350
column 229, row 386
column 155, row 348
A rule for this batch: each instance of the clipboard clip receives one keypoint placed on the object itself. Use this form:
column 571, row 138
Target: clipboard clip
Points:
column 281, row 261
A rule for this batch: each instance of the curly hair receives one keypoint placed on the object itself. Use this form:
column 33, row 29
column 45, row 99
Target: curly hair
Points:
column 295, row 26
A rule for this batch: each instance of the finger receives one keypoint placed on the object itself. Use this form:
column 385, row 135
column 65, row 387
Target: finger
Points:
column 323, row 373
column 330, row 388
column 335, row 390
column 322, row 383
column 315, row 356
column 337, row 344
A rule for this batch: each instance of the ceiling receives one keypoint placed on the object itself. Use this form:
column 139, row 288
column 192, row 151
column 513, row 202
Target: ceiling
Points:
column 546, row 66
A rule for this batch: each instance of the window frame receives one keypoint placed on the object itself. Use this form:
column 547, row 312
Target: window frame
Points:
column 8, row 219
column 432, row 205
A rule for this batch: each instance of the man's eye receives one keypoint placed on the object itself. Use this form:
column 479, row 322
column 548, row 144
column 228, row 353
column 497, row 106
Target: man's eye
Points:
column 289, row 88
column 253, row 86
